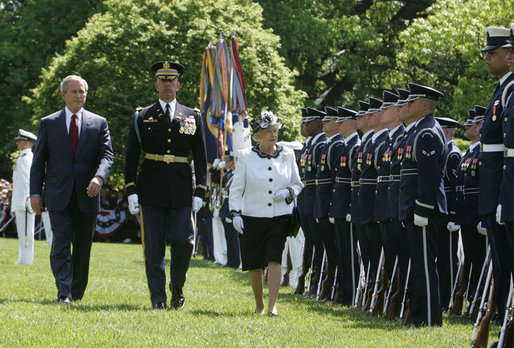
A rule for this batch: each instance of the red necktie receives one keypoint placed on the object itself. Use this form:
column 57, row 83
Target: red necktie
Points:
column 74, row 133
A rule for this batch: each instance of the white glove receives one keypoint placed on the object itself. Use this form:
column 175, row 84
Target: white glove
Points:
column 452, row 227
column 222, row 164
column 197, row 204
column 133, row 204
column 420, row 221
column 499, row 214
column 28, row 206
column 228, row 220
column 237, row 221
column 348, row 217
column 481, row 230
column 332, row 220
column 280, row 195
column 216, row 162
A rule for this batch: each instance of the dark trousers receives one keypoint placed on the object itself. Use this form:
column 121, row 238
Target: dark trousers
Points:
column 424, row 280
column 509, row 229
column 308, row 244
column 363, row 246
column 447, row 267
column 71, row 269
column 329, row 242
column 160, row 225
column 501, row 256
column 375, row 247
column 233, row 251
column 205, row 234
column 402, row 243
column 348, row 266
column 317, row 241
column 475, row 248
column 390, row 247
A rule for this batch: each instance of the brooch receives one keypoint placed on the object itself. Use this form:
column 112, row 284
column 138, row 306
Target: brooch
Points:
column 188, row 125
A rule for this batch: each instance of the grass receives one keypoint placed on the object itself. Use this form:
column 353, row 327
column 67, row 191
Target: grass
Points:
column 115, row 310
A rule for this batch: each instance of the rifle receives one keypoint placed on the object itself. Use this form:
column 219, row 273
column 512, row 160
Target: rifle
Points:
column 474, row 342
column 386, row 304
column 321, row 272
column 358, row 294
column 466, row 294
column 455, row 305
column 484, row 266
column 506, row 318
column 364, row 289
column 377, row 301
column 402, row 310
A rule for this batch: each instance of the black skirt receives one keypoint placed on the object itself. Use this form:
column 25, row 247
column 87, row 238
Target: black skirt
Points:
column 263, row 241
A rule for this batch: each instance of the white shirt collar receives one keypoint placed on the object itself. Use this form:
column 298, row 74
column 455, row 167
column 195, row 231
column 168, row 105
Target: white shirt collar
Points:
column 173, row 105
column 368, row 134
column 69, row 113
column 472, row 147
column 353, row 135
column 506, row 76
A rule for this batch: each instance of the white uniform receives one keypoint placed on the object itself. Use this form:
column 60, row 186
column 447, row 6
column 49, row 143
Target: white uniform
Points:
column 20, row 194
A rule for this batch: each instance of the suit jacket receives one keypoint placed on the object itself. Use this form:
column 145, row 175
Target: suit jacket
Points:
column 159, row 183
column 55, row 166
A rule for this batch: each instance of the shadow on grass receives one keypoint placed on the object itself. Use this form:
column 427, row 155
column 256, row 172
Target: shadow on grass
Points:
column 79, row 306
column 217, row 314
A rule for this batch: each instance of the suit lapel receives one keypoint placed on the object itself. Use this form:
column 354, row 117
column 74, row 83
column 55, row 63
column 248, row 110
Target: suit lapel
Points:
column 63, row 131
column 84, row 130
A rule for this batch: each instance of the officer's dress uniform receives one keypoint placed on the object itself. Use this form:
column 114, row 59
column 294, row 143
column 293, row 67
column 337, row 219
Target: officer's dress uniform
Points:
column 422, row 193
column 446, row 240
column 231, row 235
column 346, row 236
column 20, row 194
column 323, row 198
column 165, row 189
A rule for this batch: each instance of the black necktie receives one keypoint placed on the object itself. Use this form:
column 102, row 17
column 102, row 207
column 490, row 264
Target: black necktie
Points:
column 168, row 110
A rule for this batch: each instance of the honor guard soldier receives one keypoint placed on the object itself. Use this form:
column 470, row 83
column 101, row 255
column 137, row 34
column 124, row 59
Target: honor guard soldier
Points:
column 447, row 236
column 353, row 216
column 319, row 140
column 305, row 131
column 399, row 233
column 491, row 160
column 348, row 267
column 323, row 199
column 20, row 194
column 383, row 157
column 422, row 201
column 367, row 189
column 167, row 133
column 466, row 206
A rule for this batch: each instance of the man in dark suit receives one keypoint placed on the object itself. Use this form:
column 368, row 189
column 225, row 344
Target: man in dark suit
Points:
column 167, row 132
column 72, row 158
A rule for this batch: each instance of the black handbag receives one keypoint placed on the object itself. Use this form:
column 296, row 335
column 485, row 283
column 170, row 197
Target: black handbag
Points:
column 293, row 225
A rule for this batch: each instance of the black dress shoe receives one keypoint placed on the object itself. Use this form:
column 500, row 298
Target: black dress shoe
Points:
column 65, row 300
column 271, row 314
column 178, row 300
column 159, row 305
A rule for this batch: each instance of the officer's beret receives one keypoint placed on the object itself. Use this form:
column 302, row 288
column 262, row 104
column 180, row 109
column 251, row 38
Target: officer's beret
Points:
column 25, row 135
column 330, row 113
column 496, row 37
column 447, row 122
column 345, row 114
column 471, row 116
column 167, row 70
column 315, row 113
column 420, row 91
column 363, row 108
column 404, row 95
column 390, row 99
column 374, row 105
column 511, row 38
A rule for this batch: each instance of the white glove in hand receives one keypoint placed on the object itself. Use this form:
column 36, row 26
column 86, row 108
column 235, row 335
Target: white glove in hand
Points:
column 222, row 164
column 228, row 220
column 420, row 221
column 197, row 204
column 499, row 214
column 481, row 230
column 332, row 220
column 280, row 195
column 348, row 217
column 237, row 221
column 133, row 204
column 216, row 162
column 452, row 227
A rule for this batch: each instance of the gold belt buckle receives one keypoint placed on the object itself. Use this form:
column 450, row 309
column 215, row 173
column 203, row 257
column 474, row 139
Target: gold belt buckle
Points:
column 169, row 158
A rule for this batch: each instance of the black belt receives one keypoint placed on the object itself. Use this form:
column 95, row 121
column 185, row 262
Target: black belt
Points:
column 394, row 177
column 471, row 191
column 323, row 181
column 368, row 181
column 355, row 183
column 409, row 171
column 343, row 180
column 383, row 178
column 310, row 182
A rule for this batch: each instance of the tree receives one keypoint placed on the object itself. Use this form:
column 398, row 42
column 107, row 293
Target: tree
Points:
column 115, row 50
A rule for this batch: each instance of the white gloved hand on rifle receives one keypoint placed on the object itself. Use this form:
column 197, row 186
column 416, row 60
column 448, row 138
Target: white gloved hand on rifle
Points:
column 452, row 227
column 481, row 230
column 215, row 163
column 420, row 221
column 499, row 214
column 133, row 204
column 348, row 217
column 197, row 204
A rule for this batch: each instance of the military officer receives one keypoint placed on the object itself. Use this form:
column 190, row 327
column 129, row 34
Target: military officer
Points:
column 167, row 132
column 422, row 201
column 490, row 161
column 447, row 236
column 346, row 237
column 318, row 142
column 20, row 193
column 323, row 199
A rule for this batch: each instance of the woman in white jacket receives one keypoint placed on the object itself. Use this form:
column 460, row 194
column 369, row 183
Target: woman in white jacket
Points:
column 265, row 183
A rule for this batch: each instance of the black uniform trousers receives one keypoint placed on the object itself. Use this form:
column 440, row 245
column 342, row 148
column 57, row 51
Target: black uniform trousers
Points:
column 501, row 256
column 509, row 229
column 233, row 251
column 308, row 244
column 374, row 246
column 348, row 267
column 159, row 226
column 71, row 269
column 206, row 237
column 424, row 280
column 328, row 235
column 317, row 241
column 401, row 241
column 446, row 252
column 390, row 247
column 475, row 248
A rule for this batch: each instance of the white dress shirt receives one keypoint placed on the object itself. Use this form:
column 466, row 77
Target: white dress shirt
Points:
column 69, row 114
column 173, row 105
column 257, row 179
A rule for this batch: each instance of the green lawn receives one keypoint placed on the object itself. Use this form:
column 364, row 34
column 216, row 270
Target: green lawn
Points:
column 116, row 310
